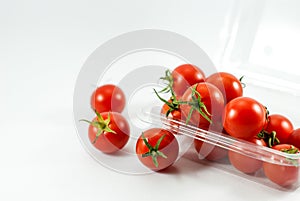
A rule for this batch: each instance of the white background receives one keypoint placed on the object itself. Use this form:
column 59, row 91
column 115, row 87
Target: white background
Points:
column 43, row 45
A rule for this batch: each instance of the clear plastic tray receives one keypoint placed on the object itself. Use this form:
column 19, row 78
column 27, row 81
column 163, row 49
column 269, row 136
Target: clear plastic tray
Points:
column 135, row 62
column 260, row 39
column 225, row 142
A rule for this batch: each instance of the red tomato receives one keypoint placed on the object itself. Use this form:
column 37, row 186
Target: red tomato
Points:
column 109, row 132
column 108, row 98
column 245, row 163
column 281, row 125
column 294, row 138
column 228, row 84
column 157, row 148
column 204, row 103
column 174, row 114
column 258, row 141
column 244, row 117
column 184, row 76
column 286, row 174
column 211, row 152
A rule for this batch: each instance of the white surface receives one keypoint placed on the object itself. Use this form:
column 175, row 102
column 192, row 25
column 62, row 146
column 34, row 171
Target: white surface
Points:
column 43, row 45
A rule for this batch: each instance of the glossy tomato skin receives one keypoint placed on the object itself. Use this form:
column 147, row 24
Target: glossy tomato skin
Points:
column 169, row 147
column 185, row 76
column 258, row 141
column 211, row 97
column 294, row 138
column 109, row 142
column 107, row 98
column 282, row 125
column 228, row 84
column 283, row 175
column 244, row 118
column 245, row 163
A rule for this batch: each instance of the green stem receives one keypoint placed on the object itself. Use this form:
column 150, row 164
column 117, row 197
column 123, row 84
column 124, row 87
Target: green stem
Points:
column 169, row 79
column 269, row 138
column 292, row 150
column 173, row 104
column 101, row 124
column 153, row 151
column 242, row 83
column 198, row 105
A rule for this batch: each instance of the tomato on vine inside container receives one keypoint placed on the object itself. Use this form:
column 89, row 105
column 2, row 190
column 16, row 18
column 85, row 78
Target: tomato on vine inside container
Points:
column 230, row 86
column 281, row 125
column 244, row 163
column 285, row 174
column 202, row 105
column 244, row 118
column 182, row 77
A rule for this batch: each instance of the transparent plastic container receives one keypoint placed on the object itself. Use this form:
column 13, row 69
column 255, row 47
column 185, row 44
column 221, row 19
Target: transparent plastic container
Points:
column 143, row 112
column 216, row 143
column 136, row 61
column 260, row 39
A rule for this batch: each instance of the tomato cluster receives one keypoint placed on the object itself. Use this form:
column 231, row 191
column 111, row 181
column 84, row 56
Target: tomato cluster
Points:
column 216, row 103
column 211, row 105
column 109, row 130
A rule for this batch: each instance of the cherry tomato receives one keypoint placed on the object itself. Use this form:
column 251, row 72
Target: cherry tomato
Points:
column 157, row 148
column 281, row 125
column 211, row 151
column 174, row 114
column 258, row 141
column 109, row 132
column 294, row 138
column 244, row 117
column 245, row 163
column 203, row 104
column 228, row 84
column 108, row 98
column 184, row 76
column 283, row 174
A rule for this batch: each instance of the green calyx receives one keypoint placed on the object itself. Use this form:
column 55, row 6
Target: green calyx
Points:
column 291, row 150
column 169, row 81
column 267, row 113
column 101, row 125
column 198, row 105
column 173, row 104
column 241, row 81
column 153, row 151
column 269, row 138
